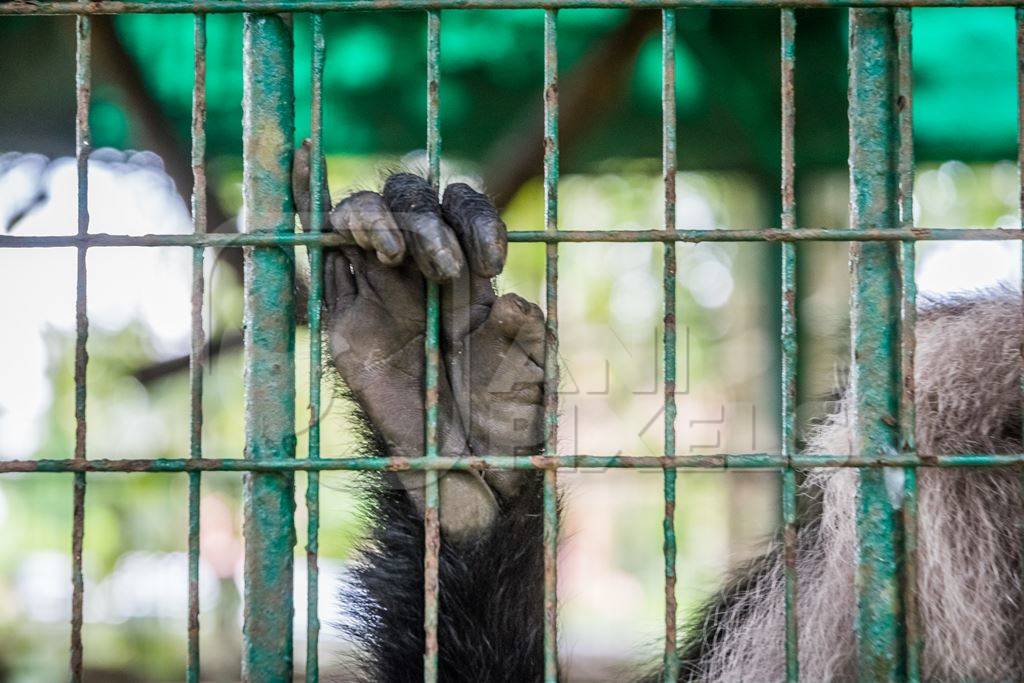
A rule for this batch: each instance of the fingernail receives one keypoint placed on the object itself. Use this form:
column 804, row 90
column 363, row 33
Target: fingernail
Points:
column 388, row 245
column 446, row 263
column 492, row 258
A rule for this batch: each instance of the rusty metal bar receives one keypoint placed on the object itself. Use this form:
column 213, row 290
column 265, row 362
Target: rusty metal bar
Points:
column 714, row 461
column 551, row 373
column 83, row 146
column 787, row 27
column 908, row 338
column 875, row 310
column 670, row 660
column 196, row 360
column 229, row 6
column 220, row 240
column 316, row 290
column 432, row 526
column 269, row 350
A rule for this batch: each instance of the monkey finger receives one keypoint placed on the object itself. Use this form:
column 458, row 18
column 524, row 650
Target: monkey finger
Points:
column 339, row 284
column 301, row 188
column 479, row 227
column 414, row 206
column 365, row 218
column 521, row 322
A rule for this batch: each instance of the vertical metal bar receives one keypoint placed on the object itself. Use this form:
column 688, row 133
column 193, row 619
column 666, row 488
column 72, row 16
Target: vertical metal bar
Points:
column 670, row 663
column 908, row 322
column 83, row 91
column 551, row 346
column 789, row 340
column 316, row 287
column 875, row 310
column 432, row 528
column 196, row 362
column 269, row 501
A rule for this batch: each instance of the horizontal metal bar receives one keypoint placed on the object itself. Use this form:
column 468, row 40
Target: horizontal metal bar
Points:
column 718, row 461
column 682, row 235
column 218, row 6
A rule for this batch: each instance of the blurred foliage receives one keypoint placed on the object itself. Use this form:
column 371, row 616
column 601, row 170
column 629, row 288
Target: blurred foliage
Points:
column 727, row 71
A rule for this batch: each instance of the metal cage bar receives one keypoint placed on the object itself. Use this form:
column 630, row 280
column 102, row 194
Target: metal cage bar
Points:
column 787, row 61
column 317, row 182
column 908, row 335
column 431, row 525
column 670, row 663
column 683, row 235
column 269, row 348
column 196, row 358
column 83, row 91
column 551, row 345
column 874, row 330
column 370, row 462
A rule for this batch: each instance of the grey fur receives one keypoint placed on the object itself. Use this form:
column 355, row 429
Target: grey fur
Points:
column 968, row 401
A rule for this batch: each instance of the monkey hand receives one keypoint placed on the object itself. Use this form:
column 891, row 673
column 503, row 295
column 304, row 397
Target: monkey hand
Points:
column 490, row 384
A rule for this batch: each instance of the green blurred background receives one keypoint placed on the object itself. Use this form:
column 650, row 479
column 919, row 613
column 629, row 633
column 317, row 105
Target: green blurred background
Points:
column 610, row 297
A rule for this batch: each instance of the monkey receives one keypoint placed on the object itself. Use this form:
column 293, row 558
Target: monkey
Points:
column 490, row 402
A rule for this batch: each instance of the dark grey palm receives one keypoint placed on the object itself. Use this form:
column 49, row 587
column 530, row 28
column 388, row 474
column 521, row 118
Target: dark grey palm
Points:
column 490, row 392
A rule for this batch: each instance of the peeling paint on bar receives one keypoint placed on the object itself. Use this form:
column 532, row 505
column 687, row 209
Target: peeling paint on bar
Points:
column 551, row 370
column 717, row 461
column 874, row 340
column 222, row 241
column 908, row 339
column 269, row 497
column 431, row 518
column 196, row 361
column 670, row 660
column 83, row 144
column 787, row 38
column 316, row 182
column 216, row 6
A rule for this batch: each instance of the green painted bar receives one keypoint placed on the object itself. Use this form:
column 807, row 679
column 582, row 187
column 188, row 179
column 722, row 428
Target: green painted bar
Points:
column 669, row 166
column 221, row 240
column 551, row 370
column 316, row 289
column 875, row 308
column 787, row 60
column 197, row 345
column 714, row 461
column 269, row 316
column 217, row 6
column 908, row 339
column 432, row 526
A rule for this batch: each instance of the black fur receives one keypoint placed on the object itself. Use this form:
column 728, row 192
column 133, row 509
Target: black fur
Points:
column 408, row 193
column 461, row 203
column 490, row 621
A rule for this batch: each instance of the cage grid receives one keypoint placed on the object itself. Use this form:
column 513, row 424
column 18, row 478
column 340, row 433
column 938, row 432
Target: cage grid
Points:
column 882, row 323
